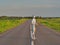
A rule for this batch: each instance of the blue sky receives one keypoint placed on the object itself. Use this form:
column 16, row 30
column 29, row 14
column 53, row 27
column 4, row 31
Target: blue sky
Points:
column 29, row 7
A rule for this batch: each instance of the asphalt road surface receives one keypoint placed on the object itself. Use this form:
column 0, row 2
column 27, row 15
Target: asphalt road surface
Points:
column 20, row 35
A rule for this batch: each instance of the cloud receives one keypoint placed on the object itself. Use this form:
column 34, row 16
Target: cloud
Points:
column 24, row 7
column 43, row 6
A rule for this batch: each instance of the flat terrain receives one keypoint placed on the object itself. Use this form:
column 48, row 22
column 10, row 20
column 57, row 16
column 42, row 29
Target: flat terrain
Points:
column 46, row 36
column 20, row 35
column 6, row 24
column 17, row 36
column 53, row 23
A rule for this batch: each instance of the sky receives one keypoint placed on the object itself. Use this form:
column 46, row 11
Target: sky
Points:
column 45, row 8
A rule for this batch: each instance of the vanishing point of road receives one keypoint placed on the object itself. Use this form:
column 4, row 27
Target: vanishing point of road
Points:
column 20, row 35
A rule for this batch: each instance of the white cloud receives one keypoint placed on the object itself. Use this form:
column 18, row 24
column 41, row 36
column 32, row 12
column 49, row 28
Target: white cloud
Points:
column 43, row 6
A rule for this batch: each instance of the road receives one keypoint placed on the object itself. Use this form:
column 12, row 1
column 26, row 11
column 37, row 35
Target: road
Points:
column 20, row 35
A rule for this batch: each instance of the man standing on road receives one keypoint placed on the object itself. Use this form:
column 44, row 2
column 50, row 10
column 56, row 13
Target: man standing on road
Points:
column 33, row 28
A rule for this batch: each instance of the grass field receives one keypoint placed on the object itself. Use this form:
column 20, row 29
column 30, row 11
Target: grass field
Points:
column 6, row 24
column 53, row 23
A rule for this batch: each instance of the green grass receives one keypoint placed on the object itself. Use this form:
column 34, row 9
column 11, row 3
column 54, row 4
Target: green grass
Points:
column 53, row 23
column 6, row 24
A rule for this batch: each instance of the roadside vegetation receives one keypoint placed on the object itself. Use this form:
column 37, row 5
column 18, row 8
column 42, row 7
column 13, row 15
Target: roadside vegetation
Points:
column 53, row 23
column 7, row 23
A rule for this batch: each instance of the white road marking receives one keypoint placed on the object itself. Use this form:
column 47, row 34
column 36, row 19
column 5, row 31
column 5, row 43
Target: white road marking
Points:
column 32, row 35
column 32, row 42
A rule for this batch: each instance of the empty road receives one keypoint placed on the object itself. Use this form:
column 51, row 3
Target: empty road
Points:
column 20, row 35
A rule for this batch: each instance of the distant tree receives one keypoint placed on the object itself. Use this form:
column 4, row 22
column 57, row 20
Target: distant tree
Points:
column 40, row 17
column 4, row 17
